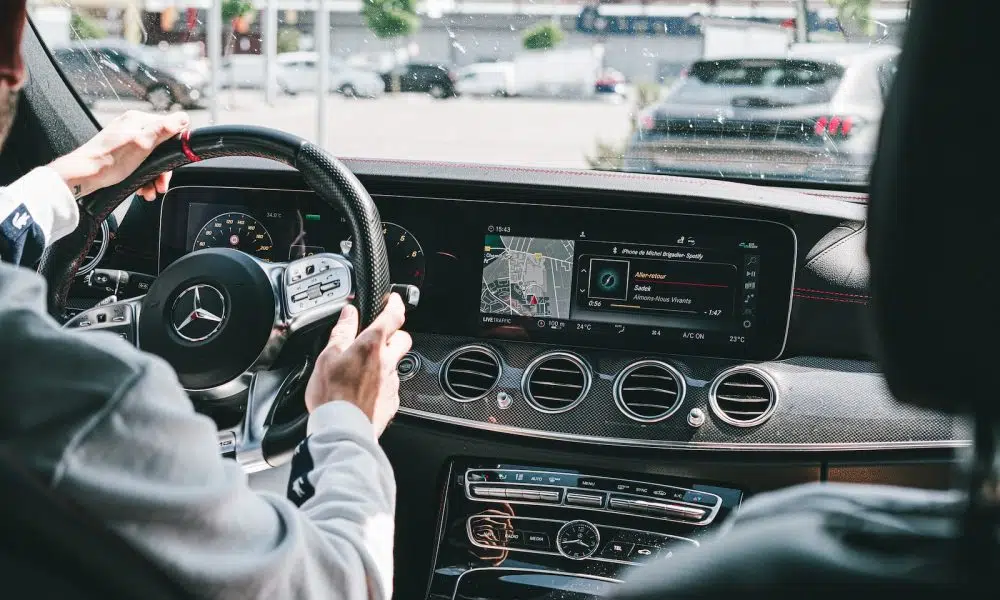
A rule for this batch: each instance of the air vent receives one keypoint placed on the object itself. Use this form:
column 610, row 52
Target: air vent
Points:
column 743, row 396
column 649, row 391
column 470, row 372
column 97, row 250
column 556, row 382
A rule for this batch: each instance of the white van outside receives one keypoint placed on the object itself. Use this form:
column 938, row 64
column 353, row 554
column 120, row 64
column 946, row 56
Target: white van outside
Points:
column 487, row 79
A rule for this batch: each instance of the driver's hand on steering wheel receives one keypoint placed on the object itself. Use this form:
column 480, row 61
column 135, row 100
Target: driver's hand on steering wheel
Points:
column 361, row 368
column 117, row 150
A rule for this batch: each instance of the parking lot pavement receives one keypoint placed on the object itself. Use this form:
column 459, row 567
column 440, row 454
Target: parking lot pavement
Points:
column 520, row 131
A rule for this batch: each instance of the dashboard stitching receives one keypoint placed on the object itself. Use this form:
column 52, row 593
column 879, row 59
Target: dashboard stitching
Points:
column 832, row 293
column 841, row 300
column 834, row 245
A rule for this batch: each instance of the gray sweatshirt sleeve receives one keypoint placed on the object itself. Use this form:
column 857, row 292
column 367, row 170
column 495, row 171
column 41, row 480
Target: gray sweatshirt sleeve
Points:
column 149, row 466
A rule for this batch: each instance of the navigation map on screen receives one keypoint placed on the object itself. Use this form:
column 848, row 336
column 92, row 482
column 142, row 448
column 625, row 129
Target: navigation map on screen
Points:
column 525, row 276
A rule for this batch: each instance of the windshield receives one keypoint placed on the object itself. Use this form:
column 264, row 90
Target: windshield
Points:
column 782, row 91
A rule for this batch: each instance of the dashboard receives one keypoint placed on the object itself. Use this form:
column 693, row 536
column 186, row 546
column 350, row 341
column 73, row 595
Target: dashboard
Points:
column 603, row 366
column 591, row 277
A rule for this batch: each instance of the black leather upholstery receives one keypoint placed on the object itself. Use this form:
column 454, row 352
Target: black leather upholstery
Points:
column 931, row 226
column 933, row 219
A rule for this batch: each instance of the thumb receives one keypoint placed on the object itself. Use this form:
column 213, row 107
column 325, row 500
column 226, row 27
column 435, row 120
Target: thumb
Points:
column 345, row 330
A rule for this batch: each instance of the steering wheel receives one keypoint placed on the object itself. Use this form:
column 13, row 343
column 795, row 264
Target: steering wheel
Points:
column 221, row 317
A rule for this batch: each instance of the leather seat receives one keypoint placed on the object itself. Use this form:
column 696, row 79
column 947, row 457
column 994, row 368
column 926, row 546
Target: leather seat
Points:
column 933, row 236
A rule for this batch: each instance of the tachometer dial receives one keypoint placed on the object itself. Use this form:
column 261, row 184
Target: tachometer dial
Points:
column 406, row 256
column 578, row 540
column 236, row 230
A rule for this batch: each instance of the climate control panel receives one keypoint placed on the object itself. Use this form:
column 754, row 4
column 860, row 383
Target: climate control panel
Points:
column 593, row 493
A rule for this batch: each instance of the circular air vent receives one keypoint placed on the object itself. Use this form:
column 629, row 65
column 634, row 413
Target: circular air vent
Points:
column 649, row 391
column 556, row 382
column 743, row 396
column 97, row 250
column 470, row 372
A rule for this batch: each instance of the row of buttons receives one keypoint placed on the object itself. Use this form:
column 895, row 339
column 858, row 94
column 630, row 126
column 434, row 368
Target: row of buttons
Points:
column 605, row 484
column 537, row 535
column 512, row 493
column 657, row 509
column 632, row 552
column 314, row 281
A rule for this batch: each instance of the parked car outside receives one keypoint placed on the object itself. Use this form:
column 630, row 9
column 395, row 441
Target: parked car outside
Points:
column 434, row 79
column 126, row 73
column 610, row 81
column 298, row 72
column 486, row 79
column 812, row 113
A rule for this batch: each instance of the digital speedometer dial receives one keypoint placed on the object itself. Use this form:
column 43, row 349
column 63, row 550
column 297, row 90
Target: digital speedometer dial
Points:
column 236, row 230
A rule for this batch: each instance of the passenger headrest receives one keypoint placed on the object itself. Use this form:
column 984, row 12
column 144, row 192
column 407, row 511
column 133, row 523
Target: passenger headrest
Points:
column 934, row 214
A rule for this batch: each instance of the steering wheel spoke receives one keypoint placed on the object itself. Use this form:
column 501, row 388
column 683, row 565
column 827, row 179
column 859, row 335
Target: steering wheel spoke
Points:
column 267, row 389
column 118, row 318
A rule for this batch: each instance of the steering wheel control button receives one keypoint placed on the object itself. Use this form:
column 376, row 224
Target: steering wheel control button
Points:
column 313, row 281
column 407, row 366
column 227, row 444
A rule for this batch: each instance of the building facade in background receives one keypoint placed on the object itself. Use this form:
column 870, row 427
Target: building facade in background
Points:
column 460, row 32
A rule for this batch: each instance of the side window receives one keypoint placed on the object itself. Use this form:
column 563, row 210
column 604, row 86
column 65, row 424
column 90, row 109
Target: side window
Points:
column 886, row 75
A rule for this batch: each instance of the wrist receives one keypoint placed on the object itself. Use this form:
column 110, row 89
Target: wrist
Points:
column 77, row 174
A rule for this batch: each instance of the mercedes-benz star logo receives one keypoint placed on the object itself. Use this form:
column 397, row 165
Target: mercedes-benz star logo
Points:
column 198, row 312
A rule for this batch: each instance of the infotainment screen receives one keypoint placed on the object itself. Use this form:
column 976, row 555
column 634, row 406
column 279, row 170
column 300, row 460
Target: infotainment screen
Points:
column 706, row 287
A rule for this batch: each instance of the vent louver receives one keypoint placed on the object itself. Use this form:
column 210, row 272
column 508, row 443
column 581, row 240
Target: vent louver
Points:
column 743, row 396
column 649, row 391
column 470, row 372
column 556, row 382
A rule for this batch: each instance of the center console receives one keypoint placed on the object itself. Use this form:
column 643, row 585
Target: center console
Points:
column 540, row 532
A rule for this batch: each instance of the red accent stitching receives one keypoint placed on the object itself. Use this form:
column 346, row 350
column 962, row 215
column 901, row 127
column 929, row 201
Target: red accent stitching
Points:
column 186, row 146
column 832, row 293
column 843, row 300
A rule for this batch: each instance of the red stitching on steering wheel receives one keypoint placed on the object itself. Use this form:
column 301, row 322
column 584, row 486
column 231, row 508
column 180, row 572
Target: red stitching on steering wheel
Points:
column 186, row 146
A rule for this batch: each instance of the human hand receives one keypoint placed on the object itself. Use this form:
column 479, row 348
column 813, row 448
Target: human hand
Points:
column 362, row 369
column 117, row 150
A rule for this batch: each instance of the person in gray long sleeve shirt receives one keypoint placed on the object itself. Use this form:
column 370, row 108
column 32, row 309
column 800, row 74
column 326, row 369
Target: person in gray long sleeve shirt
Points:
column 111, row 428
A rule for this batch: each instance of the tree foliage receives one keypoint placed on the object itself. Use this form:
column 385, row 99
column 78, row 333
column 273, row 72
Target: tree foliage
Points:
column 543, row 36
column 854, row 15
column 391, row 18
column 288, row 39
column 85, row 28
column 234, row 9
